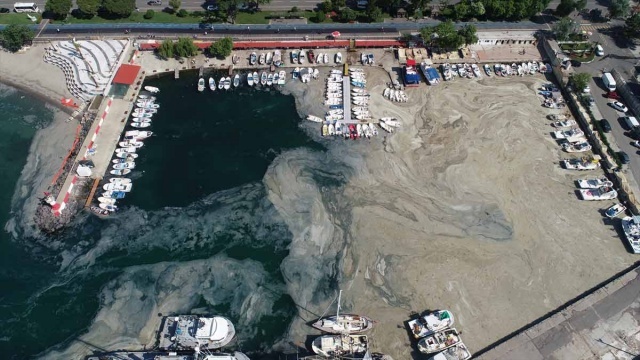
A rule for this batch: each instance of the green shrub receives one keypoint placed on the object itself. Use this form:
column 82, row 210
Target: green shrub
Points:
column 183, row 13
column 149, row 14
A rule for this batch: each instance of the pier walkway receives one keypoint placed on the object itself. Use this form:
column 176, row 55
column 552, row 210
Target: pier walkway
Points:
column 346, row 99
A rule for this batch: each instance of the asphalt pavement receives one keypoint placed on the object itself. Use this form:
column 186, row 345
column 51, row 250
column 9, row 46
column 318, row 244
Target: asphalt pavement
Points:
column 619, row 56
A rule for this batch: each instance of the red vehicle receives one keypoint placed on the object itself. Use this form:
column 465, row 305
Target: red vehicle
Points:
column 613, row 95
column 353, row 133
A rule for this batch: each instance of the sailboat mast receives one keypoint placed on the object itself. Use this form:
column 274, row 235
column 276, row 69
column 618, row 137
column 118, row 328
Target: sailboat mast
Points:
column 338, row 310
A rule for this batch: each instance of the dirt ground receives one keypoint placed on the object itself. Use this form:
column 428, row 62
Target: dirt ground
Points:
column 466, row 208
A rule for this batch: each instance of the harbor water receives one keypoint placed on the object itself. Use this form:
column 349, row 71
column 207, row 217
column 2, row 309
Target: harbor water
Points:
column 197, row 234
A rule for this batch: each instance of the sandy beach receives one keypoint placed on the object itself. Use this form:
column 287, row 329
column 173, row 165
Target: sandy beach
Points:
column 466, row 208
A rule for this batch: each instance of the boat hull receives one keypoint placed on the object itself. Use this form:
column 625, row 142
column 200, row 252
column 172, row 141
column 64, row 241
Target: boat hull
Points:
column 326, row 324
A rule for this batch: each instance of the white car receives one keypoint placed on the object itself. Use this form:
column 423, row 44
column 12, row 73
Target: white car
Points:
column 619, row 106
column 586, row 90
column 636, row 144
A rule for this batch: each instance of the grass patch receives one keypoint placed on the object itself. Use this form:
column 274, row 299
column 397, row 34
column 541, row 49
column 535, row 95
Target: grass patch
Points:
column 582, row 46
column 263, row 17
column 16, row 18
column 137, row 17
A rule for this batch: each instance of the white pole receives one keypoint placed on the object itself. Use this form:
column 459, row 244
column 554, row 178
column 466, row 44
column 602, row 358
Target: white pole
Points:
column 338, row 310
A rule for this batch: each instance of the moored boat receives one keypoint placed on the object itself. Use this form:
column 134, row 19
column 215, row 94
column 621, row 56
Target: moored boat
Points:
column 602, row 193
column 212, row 84
column 227, row 83
column 433, row 322
column 201, row 84
column 282, row 77
column 340, row 346
column 140, row 124
column 108, row 207
column 439, row 341
column 263, row 78
column 152, row 89
column 615, row 210
column 631, row 229
column 338, row 58
column 120, row 172
column 252, row 58
column 236, row 80
column 270, row 79
column 221, row 83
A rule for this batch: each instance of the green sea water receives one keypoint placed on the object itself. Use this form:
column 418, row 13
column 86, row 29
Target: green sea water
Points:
column 198, row 206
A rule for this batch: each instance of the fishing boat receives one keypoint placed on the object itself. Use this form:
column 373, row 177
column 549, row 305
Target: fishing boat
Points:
column 568, row 134
column 456, row 352
column 439, row 341
column 343, row 323
column 252, row 58
column 227, row 83
column 615, row 210
column 236, row 80
column 108, row 207
column 564, row 123
column 338, row 58
column 341, row 346
column 117, row 187
column 261, row 59
column 576, row 146
column 270, row 79
column 221, row 83
column 332, row 130
column 487, row 69
column 120, row 180
column 602, row 193
column 301, row 57
column 250, row 79
column 319, row 58
column 580, row 164
column 201, row 84
column 141, row 115
column 385, row 127
column 212, row 84
column 476, row 70
column 433, row 322
column 631, row 229
column 282, row 77
column 123, row 160
column 152, row 89
column 120, row 172
column 263, row 78
column 140, row 124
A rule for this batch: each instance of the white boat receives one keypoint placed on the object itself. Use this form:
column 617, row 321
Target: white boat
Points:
column 250, row 79
column 261, row 59
column 117, row 187
column 256, row 78
column 127, row 150
column 146, row 106
column 201, row 84
column 314, row 118
column 391, row 121
column 136, row 144
column 263, row 78
column 152, row 89
column 325, row 130
column 456, row 352
column 143, row 115
column 319, row 58
column 373, row 129
column 125, row 165
column 277, row 58
column 282, row 77
column 439, row 341
column 568, row 134
column 576, row 146
column 487, row 69
column 615, row 210
column 227, row 83
column 332, row 130
column 386, row 127
column 106, row 200
column 221, row 83
column 339, row 346
column 144, row 111
column 252, row 58
column 236, row 80
column 580, row 164
column 120, row 172
column 125, row 155
column 564, row 123
column 212, row 84
column 224, row 356
column 338, row 58
column 593, row 183
column 631, row 229
column 140, row 124
column 325, row 58
column 269, row 58
column 276, row 78
column 108, row 207
column 301, row 56
column 269, row 79
column 602, row 193
column 476, row 70
column 433, row 322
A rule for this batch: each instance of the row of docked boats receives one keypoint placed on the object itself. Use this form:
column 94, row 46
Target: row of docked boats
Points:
column 253, row 79
column 301, row 56
column 305, row 74
column 270, row 58
column 126, row 154
column 451, row 71
column 395, row 95
column 436, row 335
column 350, row 131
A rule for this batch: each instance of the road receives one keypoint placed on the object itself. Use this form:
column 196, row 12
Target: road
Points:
column 620, row 57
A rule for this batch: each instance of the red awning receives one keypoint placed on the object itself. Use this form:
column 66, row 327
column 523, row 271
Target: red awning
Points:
column 126, row 74
column 411, row 62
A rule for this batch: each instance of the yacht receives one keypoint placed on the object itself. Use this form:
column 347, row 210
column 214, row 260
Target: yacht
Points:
column 580, row 164
column 433, row 322
column 224, row 356
column 602, row 193
column 188, row 332
column 631, row 228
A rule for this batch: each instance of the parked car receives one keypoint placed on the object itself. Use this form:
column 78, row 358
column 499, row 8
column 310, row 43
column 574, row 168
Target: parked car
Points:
column 155, row 2
column 619, row 106
column 604, row 124
column 599, row 50
column 576, row 63
column 636, row 143
column 624, row 158
column 4, row 10
column 612, row 95
column 212, row 7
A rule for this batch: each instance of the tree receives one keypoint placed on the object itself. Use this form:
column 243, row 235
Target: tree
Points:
column 338, row 4
column 565, row 8
column 182, row 13
column 58, row 9
column 468, row 33
column 119, row 8
column 563, row 28
column 632, row 26
column 175, row 4
column 477, row 9
column 294, row 9
column 149, row 14
column 348, row 15
column 320, row 16
column 374, row 13
column 619, row 8
column 461, row 10
column 15, row 36
column 580, row 81
column 166, row 49
column 443, row 35
column 580, row 4
column 185, row 47
column 221, row 48
column 326, row 6
column 88, row 8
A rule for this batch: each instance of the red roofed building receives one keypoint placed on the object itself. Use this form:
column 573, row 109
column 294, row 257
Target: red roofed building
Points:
column 125, row 77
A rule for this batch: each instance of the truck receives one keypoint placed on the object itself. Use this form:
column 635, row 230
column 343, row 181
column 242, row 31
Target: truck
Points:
column 609, row 82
